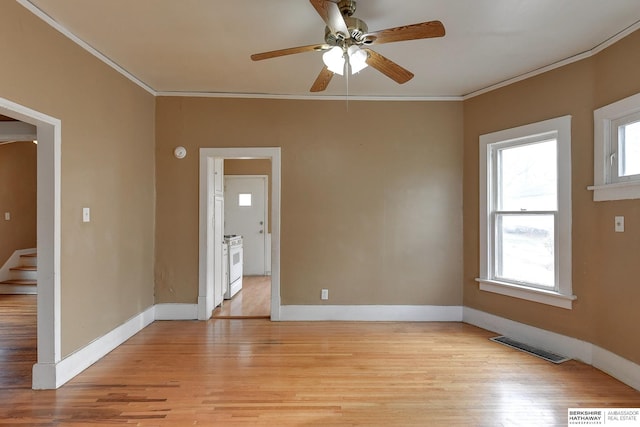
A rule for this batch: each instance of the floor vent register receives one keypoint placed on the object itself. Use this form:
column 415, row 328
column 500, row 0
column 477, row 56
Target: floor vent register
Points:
column 543, row 354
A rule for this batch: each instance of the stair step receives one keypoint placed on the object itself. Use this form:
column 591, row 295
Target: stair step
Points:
column 19, row 282
column 23, row 278
column 24, row 272
column 29, row 259
column 24, row 268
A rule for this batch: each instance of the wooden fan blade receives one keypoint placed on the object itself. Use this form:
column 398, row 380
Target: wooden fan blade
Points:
column 388, row 67
column 289, row 51
column 424, row 30
column 322, row 81
column 330, row 14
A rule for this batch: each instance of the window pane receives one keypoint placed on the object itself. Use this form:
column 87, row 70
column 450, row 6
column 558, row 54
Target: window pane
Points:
column 629, row 149
column 525, row 249
column 244, row 199
column 527, row 177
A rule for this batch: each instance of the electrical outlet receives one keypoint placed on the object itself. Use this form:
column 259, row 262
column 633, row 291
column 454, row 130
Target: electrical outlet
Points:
column 324, row 294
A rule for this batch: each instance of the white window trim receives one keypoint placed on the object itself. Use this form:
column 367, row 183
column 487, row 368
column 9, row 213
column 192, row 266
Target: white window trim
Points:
column 563, row 297
column 603, row 188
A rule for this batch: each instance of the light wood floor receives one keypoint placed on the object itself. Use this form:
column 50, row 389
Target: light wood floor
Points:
column 253, row 372
column 253, row 300
column 17, row 341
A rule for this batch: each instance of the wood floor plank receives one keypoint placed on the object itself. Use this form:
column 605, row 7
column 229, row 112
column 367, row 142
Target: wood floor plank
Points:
column 226, row 372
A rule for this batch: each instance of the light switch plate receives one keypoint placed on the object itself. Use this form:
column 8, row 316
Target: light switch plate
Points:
column 86, row 215
column 7, row 216
column 619, row 224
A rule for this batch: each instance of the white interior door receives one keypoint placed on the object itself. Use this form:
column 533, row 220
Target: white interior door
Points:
column 218, row 231
column 246, row 214
column 218, row 256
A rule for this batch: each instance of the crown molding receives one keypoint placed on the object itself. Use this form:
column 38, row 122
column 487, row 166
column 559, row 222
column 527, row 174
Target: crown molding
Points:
column 307, row 97
column 587, row 54
column 60, row 28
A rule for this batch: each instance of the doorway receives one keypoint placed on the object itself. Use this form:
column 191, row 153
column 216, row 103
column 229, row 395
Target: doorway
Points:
column 208, row 242
column 48, row 133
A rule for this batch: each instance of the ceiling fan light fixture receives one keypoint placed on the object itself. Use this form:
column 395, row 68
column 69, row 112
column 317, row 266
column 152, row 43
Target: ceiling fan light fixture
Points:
column 347, row 40
column 357, row 59
column 334, row 60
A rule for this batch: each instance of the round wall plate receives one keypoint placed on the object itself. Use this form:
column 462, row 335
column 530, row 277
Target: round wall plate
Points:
column 180, row 152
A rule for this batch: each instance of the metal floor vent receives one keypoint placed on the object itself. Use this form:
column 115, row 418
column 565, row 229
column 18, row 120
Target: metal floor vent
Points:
column 543, row 354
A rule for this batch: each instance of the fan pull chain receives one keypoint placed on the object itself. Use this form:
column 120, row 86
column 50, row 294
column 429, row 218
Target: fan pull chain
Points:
column 347, row 79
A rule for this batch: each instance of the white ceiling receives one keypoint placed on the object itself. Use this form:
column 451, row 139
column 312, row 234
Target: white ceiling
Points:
column 203, row 46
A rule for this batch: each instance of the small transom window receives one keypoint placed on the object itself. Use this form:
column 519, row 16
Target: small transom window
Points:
column 616, row 166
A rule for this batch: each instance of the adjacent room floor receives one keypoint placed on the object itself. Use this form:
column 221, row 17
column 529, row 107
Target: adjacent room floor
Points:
column 253, row 301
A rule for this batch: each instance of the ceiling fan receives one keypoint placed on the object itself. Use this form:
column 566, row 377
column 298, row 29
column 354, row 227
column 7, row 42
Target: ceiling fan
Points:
column 347, row 39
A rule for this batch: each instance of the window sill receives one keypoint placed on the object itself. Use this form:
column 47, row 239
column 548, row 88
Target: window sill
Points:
column 616, row 191
column 537, row 295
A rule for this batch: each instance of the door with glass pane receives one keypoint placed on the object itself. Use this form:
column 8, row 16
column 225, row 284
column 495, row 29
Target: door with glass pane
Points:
column 246, row 215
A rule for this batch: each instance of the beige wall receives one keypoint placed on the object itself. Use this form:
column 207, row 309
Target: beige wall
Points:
column 371, row 197
column 18, row 197
column 107, row 164
column 247, row 167
column 605, row 266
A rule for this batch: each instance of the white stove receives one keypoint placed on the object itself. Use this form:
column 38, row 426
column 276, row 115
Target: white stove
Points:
column 234, row 268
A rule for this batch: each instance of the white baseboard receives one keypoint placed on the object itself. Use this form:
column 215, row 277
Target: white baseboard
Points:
column 176, row 311
column 54, row 375
column 616, row 366
column 622, row 369
column 551, row 341
column 371, row 313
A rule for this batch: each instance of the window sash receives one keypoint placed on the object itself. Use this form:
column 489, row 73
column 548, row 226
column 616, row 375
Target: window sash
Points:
column 495, row 212
column 494, row 166
column 617, row 149
column 496, row 249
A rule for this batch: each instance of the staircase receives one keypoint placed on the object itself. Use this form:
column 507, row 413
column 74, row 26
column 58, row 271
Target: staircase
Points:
column 23, row 277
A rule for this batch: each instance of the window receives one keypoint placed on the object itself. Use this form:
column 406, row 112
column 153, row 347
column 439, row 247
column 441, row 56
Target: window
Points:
column 617, row 150
column 525, row 212
column 626, row 149
column 244, row 199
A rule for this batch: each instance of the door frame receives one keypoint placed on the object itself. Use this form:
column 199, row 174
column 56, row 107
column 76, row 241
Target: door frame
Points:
column 49, row 136
column 205, row 251
column 265, row 179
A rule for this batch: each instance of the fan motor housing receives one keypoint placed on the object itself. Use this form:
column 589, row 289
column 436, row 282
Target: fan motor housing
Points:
column 357, row 29
column 347, row 7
